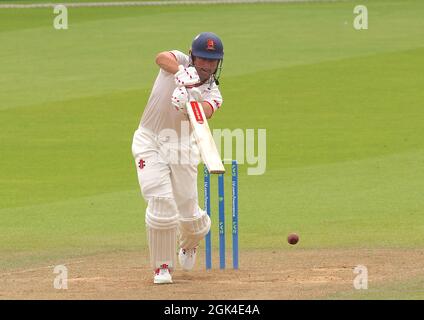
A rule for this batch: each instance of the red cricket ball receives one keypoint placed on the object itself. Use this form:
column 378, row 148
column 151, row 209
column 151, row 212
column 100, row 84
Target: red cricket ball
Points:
column 293, row 238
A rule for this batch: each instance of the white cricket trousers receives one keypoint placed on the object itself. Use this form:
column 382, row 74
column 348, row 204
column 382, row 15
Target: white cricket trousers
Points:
column 167, row 174
column 167, row 168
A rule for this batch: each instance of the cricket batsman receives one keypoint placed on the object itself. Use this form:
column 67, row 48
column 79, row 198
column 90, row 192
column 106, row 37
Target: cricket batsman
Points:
column 166, row 154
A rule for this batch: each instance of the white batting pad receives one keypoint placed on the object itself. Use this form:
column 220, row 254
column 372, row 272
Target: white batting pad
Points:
column 162, row 223
column 192, row 230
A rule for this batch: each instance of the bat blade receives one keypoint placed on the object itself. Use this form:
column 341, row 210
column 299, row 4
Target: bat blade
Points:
column 204, row 139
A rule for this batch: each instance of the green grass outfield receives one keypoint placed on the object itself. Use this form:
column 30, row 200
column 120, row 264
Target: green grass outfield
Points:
column 343, row 110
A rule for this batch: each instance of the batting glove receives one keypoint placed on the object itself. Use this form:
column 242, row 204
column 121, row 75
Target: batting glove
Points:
column 179, row 99
column 186, row 76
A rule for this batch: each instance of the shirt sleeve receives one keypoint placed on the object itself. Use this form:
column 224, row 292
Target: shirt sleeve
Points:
column 181, row 58
column 213, row 97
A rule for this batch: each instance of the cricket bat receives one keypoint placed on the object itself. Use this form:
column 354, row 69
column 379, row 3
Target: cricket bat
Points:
column 202, row 133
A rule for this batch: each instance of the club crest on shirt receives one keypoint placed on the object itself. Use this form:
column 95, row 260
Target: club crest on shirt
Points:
column 141, row 164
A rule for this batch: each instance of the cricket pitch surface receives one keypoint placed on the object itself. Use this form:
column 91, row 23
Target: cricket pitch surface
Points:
column 263, row 274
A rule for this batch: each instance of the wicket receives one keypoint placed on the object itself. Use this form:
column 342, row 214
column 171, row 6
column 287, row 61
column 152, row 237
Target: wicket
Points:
column 221, row 216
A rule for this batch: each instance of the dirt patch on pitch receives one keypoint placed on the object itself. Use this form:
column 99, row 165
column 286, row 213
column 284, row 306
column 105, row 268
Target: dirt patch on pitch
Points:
column 285, row 274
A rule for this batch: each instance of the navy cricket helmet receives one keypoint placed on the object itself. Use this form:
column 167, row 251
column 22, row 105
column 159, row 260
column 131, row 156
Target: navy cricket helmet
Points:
column 207, row 45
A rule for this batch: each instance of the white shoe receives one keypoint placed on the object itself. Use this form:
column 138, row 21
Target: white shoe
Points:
column 187, row 258
column 162, row 275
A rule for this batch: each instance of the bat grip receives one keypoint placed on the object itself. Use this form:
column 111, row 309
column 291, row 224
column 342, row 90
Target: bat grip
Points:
column 195, row 94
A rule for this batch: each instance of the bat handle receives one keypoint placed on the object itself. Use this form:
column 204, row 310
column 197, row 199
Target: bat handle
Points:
column 195, row 94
